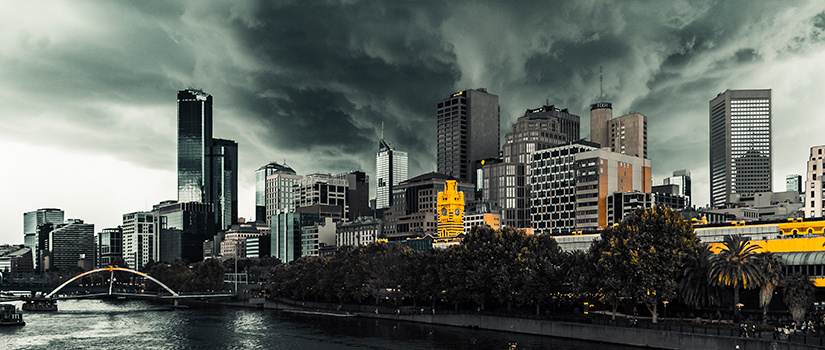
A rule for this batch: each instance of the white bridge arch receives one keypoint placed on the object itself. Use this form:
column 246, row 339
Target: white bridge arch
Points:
column 111, row 269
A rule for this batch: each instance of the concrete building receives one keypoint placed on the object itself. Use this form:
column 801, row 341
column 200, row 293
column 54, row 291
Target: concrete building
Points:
column 280, row 192
column 15, row 261
column 259, row 247
column 626, row 134
column 109, row 246
column 390, row 170
column 600, row 173
column 467, row 131
column 317, row 236
column 262, row 184
column 362, row 231
column 323, row 189
column 491, row 220
column 814, row 189
column 740, row 145
column 682, row 179
column 622, row 204
column 235, row 239
column 31, row 222
column 553, row 192
column 141, row 238
column 69, row 244
column 506, row 185
column 763, row 206
column 414, row 207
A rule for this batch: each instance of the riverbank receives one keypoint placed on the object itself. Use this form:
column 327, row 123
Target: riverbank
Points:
column 632, row 336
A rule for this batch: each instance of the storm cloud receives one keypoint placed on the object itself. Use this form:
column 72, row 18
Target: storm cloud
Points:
column 312, row 83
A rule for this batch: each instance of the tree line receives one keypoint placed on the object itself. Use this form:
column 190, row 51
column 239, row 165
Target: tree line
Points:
column 650, row 258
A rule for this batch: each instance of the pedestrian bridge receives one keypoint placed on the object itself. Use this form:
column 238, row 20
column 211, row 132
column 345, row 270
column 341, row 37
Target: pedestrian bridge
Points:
column 111, row 269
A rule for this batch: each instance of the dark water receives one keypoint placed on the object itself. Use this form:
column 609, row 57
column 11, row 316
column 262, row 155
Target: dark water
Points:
column 97, row 324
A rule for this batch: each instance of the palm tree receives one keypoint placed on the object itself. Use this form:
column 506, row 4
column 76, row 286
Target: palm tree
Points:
column 772, row 271
column 694, row 289
column 798, row 295
column 736, row 266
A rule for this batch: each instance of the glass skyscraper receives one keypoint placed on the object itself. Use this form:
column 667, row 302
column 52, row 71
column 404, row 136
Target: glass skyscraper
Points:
column 390, row 169
column 194, row 143
column 31, row 221
column 224, row 178
column 740, row 145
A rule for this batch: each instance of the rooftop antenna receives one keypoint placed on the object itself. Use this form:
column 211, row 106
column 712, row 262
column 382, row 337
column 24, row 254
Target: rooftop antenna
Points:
column 382, row 130
column 601, row 84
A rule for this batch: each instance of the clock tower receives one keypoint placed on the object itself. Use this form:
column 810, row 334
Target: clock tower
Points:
column 450, row 211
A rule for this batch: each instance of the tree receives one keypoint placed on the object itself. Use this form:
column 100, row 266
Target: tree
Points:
column 799, row 296
column 694, row 289
column 735, row 265
column 543, row 276
column 659, row 244
column 772, row 272
column 610, row 276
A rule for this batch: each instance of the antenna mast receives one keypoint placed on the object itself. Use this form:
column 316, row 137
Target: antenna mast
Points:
column 601, row 84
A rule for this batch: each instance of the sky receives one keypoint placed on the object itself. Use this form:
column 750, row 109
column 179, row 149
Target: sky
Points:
column 88, row 88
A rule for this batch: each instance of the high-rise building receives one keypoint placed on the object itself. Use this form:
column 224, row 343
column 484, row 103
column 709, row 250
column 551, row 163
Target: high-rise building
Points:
column 141, row 241
column 626, row 134
column 681, row 178
column 261, row 187
column 69, row 244
column 194, row 144
column 287, row 233
column 280, row 184
column 468, row 131
column 390, row 170
column 506, row 185
column 109, row 246
column 183, row 229
column 358, row 193
column 323, row 189
column 224, row 177
column 31, row 222
column 599, row 174
column 815, row 197
column 740, row 145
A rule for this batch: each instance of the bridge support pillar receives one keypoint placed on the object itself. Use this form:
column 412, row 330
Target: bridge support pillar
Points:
column 176, row 302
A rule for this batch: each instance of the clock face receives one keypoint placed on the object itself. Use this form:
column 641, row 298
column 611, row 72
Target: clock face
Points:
column 444, row 212
column 457, row 212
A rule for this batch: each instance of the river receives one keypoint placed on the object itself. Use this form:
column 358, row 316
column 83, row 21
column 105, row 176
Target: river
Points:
column 101, row 324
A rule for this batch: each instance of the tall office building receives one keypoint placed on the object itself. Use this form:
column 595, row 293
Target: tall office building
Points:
column 69, row 244
column 390, row 170
column 183, row 229
column 109, row 246
column 506, row 186
column 224, row 178
column 815, row 197
column 740, row 145
column 626, row 134
column 468, row 131
column 31, row 221
column 358, row 193
column 141, row 239
column 681, row 178
column 261, row 188
column 194, row 144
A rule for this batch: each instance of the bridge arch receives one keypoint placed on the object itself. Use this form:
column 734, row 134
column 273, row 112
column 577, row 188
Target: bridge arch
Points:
column 111, row 269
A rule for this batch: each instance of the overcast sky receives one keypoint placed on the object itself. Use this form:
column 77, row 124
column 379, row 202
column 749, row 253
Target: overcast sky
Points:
column 88, row 88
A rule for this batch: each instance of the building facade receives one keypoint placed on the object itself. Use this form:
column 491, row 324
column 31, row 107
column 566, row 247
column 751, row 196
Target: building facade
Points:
column 286, row 234
column 491, row 220
column 280, row 192
column 682, row 179
column 261, row 186
column 553, row 192
column 450, row 205
column 224, row 176
column 194, row 144
column 316, row 237
column 622, row 204
column 467, row 131
column 362, row 231
column 358, row 194
column 69, row 244
column 740, row 145
column 140, row 237
column 183, row 229
column 109, row 246
column 626, row 134
column 414, row 210
column 323, row 189
column 600, row 173
column 390, row 170
column 814, row 189
column 31, row 222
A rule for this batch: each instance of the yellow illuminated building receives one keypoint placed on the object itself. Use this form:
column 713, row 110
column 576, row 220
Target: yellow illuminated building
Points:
column 450, row 211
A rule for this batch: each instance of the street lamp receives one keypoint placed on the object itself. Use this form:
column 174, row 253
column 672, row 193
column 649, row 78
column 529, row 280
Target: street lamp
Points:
column 665, row 302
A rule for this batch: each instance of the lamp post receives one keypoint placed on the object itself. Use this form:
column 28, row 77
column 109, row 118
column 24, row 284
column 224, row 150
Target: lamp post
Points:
column 236, row 269
column 665, row 302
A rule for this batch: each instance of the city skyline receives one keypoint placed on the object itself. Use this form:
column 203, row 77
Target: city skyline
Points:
column 89, row 113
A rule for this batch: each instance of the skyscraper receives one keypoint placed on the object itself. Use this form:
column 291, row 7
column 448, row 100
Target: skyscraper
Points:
column 207, row 167
column 69, row 243
column 681, row 178
column 31, row 221
column 261, row 184
column 626, row 134
column 224, row 177
column 740, row 144
column 194, row 144
column 390, row 170
column 468, row 131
